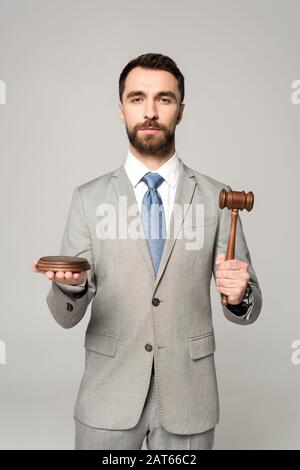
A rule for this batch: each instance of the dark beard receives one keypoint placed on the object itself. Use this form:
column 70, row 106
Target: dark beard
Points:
column 155, row 144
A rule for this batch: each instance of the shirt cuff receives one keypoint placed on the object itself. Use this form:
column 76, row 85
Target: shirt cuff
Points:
column 72, row 291
column 69, row 288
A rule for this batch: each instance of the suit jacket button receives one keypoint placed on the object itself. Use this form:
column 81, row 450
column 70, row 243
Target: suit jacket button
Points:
column 148, row 347
column 69, row 307
column 155, row 301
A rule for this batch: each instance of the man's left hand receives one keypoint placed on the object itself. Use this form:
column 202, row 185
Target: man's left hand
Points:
column 232, row 277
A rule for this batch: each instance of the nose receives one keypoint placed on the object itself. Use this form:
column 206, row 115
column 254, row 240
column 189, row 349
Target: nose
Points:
column 150, row 111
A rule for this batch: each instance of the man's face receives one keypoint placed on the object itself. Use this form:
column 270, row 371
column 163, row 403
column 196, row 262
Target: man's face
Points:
column 151, row 98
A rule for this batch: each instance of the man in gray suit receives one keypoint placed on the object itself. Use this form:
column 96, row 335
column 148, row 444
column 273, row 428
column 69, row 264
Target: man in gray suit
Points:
column 150, row 342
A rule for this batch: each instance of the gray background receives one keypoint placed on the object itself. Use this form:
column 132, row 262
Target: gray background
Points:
column 60, row 127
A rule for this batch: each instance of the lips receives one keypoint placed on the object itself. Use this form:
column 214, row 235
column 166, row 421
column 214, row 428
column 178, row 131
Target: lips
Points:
column 150, row 130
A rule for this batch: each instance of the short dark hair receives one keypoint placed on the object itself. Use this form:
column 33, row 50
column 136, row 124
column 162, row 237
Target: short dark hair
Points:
column 152, row 61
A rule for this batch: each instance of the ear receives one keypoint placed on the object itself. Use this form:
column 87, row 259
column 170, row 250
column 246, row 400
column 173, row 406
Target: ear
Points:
column 121, row 111
column 179, row 117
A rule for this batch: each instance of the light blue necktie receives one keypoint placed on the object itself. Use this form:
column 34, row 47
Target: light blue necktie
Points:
column 153, row 217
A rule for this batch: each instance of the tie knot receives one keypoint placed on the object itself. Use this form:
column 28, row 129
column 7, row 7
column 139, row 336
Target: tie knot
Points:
column 152, row 180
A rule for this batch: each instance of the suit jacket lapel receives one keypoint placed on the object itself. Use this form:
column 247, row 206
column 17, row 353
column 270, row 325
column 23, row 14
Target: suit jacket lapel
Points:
column 123, row 187
column 184, row 193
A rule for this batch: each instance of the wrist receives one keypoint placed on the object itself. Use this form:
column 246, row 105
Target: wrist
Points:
column 244, row 299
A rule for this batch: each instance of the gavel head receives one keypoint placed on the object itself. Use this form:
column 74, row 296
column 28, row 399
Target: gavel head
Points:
column 236, row 200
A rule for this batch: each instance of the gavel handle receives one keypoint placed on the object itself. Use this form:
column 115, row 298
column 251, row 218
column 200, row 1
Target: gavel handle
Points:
column 230, row 246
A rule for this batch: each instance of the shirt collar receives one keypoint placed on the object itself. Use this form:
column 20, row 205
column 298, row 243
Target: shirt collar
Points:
column 135, row 169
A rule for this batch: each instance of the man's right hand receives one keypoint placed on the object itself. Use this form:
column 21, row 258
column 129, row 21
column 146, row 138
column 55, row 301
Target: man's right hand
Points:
column 64, row 277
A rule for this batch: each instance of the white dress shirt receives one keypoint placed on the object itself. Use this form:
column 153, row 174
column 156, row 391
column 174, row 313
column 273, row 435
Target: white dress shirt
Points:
column 135, row 170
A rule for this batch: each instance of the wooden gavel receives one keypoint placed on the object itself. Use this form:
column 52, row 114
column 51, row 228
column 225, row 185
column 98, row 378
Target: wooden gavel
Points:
column 235, row 200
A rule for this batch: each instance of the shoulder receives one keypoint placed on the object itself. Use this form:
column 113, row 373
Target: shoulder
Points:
column 207, row 182
column 96, row 185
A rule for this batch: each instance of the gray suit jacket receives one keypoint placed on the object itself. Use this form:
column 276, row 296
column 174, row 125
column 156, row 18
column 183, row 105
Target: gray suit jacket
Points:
column 128, row 329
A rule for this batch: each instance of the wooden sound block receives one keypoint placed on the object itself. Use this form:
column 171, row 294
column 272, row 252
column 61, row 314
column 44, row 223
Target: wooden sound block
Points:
column 74, row 264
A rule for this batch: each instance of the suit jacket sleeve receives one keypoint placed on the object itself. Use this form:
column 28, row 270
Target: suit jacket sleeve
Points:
column 241, row 253
column 68, row 309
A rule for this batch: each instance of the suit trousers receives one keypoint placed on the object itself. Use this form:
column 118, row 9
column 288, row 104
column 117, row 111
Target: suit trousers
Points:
column 148, row 427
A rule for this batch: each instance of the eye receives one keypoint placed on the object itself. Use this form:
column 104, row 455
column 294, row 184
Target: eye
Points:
column 166, row 100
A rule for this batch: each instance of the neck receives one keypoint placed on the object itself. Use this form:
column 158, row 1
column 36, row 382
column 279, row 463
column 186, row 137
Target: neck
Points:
column 153, row 162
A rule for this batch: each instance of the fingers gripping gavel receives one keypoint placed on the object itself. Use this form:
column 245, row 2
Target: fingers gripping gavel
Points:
column 234, row 200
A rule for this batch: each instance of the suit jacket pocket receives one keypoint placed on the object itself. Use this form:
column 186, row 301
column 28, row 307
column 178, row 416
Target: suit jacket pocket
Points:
column 208, row 220
column 192, row 222
column 202, row 346
column 101, row 343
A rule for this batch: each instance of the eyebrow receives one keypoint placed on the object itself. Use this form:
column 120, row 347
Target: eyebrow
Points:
column 161, row 93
